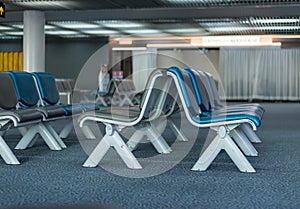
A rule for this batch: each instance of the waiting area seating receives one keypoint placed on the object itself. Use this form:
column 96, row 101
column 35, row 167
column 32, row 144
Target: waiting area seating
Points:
column 65, row 88
column 115, row 119
column 30, row 102
column 222, row 122
column 196, row 102
column 119, row 93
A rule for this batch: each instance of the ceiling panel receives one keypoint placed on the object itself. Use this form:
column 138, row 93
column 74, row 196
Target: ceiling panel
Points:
column 119, row 18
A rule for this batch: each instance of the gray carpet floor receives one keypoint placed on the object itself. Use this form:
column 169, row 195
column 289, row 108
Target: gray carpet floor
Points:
column 56, row 179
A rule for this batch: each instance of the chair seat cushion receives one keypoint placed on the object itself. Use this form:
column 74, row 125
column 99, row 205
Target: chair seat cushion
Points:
column 72, row 109
column 116, row 115
column 23, row 115
column 51, row 112
column 211, row 117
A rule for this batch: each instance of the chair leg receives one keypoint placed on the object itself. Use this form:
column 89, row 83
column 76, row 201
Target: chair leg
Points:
column 27, row 139
column 236, row 155
column 22, row 130
column 55, row 135
column 100, row 100
column 6, row 153
column 223, row 141
column 66, row 130
column 209, row 154
column 250, row 133
column 135, row 139
column 157, row 141
column 174, row 128
column 153, row 136
column 126, row 100
column 112, row 139
column 242, row 141
column 41, row 129
column 98, row 153
column 88, row 133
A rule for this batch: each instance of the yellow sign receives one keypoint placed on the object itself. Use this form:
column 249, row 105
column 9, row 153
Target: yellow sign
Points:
column 2, row 9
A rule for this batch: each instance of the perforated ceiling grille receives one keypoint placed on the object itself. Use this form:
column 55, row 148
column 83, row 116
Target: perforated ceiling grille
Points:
column 222, row 17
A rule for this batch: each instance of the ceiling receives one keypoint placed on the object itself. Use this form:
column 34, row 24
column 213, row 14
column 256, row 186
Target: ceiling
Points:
column 155, row 18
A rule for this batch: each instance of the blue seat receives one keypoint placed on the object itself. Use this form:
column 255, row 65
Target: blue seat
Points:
column 13, row 117
column 50, row 97
column 223, row 123
column 242, row 134
column 28, row 98
column 216, row 104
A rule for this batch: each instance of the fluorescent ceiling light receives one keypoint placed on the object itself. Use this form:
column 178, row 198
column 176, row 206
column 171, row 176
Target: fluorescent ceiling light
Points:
column 279, row 28
column 129, row 48
column 119, row 24
column 229, row 29
column 142, row 31
column 268, row 21
column 95, row 32
column 5, row 27
column 184, row 30
column 16, row 33
column 240, row 29
column 75, row 25
column 185, row 1
column 61, row 32
column 21, row 26
column 46, row 4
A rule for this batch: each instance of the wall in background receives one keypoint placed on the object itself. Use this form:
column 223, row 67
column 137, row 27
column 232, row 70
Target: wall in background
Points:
column 64, row 57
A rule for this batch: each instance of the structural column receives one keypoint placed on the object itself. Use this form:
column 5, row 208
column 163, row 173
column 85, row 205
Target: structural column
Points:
column 34, row 41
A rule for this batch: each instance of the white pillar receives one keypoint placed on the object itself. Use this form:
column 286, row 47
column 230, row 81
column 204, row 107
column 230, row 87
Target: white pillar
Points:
column 34, row 41
column 143, row 63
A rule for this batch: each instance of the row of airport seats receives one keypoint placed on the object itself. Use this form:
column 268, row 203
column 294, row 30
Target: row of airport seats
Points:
column 30, row 101
column 234, row 125
column 119, row 92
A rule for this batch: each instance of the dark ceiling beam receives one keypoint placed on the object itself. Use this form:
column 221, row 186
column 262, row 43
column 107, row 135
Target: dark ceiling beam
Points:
column 164, row 13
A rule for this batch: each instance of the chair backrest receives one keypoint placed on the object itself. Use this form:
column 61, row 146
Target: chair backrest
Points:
column 171, row 99
column 200, row 90
column 8, row 94
column 47, row 87
column 186, row 90
column 155, row 94
column 213, row 89
column 59, row 84
column 26, row 90
column 126, row 85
